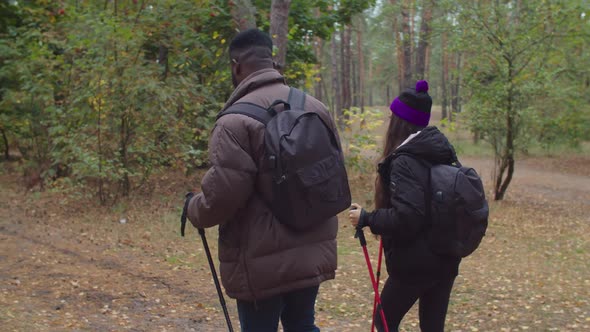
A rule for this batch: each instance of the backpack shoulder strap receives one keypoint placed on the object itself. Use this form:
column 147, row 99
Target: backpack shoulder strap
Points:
column 254, row 111
column 296, row 98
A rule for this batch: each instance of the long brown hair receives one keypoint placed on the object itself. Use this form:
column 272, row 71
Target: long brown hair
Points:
column 397, row 132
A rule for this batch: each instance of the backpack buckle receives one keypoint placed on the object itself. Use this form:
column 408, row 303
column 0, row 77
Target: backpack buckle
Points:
column 272, row 161
column 281, row 179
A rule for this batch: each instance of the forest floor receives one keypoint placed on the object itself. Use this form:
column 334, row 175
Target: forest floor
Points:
column 67, row 264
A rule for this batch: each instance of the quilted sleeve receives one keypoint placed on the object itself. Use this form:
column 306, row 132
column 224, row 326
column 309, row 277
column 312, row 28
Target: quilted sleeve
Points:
column 407, row 216
column 228, row 184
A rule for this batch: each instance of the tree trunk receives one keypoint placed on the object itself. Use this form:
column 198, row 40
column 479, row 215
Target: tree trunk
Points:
column 402, row 37
column 101, row 194
column 456, row 84
column 507, row 158
column 336, row 82
column 398, row 47
column 445, row 77
column 406, row 35
column 345, row 62
column 361, row 66
column 411, row 6
column 6, row 146
column 354, row 80
column 125, row 184
column 243, row 14
column 318, row 47
column 423, row 44
column 458, row 81
column 163, row 60
column 370, row 80
column 279, row 29
column 319, row 50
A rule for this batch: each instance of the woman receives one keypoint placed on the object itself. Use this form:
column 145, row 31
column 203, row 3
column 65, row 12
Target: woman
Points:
column 400, row 216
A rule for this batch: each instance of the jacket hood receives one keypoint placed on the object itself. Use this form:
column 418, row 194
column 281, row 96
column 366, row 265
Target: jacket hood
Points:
column 252, row 82
column 431, row 145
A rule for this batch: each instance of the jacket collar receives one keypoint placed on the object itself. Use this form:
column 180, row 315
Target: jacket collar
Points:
column 254, row 81
column 431, row 145
column 409, row 138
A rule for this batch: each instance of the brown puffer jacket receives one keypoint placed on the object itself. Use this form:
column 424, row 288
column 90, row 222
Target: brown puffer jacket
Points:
column 259, row 257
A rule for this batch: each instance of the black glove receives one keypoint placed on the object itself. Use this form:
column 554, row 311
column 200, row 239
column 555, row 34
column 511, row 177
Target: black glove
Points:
column 184, row 211
column 362, row 220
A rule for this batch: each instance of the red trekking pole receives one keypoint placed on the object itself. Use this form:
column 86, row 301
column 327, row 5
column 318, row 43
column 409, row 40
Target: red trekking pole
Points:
column 377, row 277
column 361, row 236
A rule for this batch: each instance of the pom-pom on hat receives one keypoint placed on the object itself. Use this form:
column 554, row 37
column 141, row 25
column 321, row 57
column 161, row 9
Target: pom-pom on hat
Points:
column 414, row 104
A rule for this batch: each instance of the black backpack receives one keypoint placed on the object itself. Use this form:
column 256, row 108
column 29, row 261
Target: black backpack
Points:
column 456, row 208
column 310, row 183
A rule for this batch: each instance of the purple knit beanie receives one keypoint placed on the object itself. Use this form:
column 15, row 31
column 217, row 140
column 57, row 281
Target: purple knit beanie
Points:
column 413, row 105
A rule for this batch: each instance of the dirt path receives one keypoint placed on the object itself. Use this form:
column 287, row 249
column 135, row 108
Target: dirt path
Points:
column 543, row 178
column 54, row 279
column 66, row 269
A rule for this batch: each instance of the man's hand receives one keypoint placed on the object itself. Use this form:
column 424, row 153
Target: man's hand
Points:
column 354, row 214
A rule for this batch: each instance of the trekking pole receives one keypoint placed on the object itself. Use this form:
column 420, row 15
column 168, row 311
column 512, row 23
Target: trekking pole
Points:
column 219, row 292
column 377, row 277
column 361, row 236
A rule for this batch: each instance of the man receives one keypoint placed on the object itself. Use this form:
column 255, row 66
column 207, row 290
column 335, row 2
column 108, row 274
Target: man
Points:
column 271, row 270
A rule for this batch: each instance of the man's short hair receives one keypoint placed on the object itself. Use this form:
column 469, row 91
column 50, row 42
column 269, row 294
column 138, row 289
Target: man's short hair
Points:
column 251, row 38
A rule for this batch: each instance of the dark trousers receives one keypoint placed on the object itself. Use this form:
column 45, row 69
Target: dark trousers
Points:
column 295, row 310
column 398, row 297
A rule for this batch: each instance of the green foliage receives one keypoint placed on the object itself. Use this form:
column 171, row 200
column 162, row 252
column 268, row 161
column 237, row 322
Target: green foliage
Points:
column 109, row 92
column 114, row 93
column 349, row 8
column 516, row 54
column 521, row 67
column 107, row 95
column 360, row 144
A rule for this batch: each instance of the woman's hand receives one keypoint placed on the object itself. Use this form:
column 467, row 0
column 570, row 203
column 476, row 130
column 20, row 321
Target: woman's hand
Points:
column 354, row 214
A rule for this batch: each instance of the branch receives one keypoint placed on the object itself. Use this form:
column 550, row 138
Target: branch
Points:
column 490, row 35
column 138, row 13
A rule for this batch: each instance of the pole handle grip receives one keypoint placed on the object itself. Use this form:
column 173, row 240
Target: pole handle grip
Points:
column 361, row 236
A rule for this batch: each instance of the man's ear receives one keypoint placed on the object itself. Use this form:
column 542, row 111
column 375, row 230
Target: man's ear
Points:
column 238, row 68
column 235, row 67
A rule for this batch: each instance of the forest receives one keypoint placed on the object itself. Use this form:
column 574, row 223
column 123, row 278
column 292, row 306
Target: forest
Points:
column 103, row 94
column 106, row 110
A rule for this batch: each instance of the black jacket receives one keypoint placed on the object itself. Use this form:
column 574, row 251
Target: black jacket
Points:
column 403, row 226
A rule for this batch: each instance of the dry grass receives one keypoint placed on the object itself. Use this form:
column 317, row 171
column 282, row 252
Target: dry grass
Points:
column 68, row 264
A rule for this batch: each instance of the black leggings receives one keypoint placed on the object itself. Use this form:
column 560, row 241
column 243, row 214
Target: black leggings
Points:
column 398, row 297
